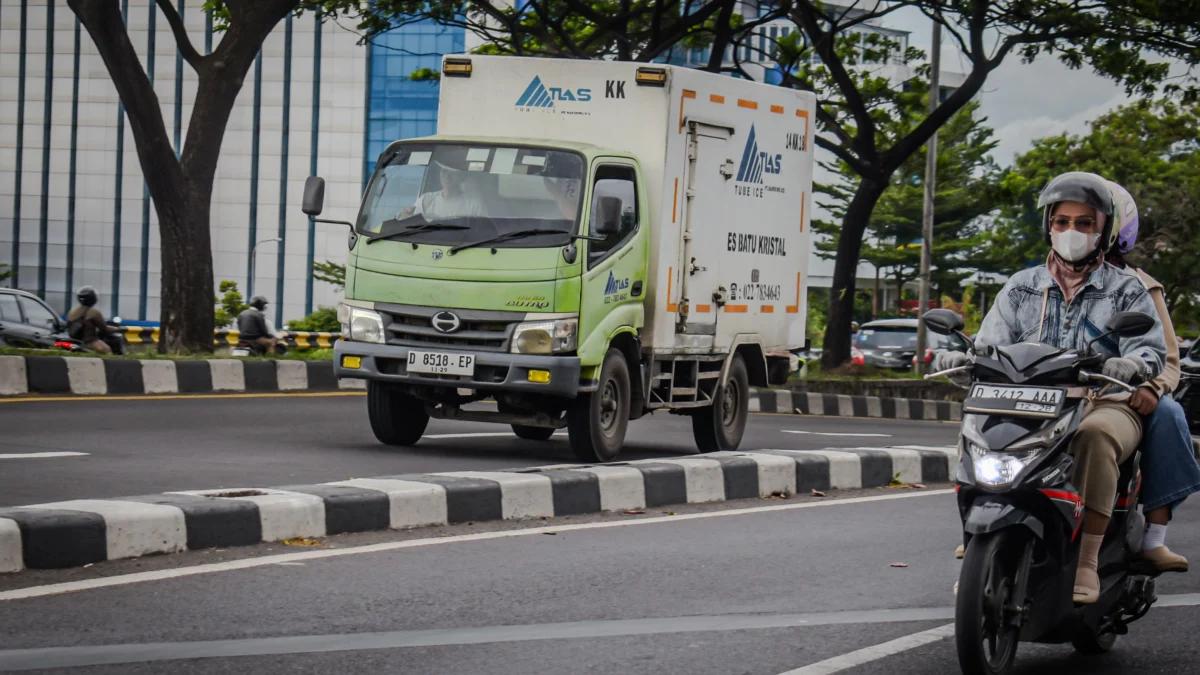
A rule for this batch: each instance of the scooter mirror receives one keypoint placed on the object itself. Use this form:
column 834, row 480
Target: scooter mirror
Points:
column 1131, row 324
column 943, row 321
column 116, row 320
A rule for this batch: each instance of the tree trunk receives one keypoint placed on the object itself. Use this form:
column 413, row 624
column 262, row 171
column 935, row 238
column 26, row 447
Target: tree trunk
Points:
column 836, row 348
column 181, row 189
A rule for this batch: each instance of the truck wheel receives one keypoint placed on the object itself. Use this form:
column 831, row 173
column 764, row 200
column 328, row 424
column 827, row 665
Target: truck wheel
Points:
column 532, row 433
column 720, row 427
column 396, row 418
column 596, row 423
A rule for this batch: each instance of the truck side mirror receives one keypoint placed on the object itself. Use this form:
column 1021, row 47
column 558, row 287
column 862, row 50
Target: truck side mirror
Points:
column 314, row 196
column 608, row 214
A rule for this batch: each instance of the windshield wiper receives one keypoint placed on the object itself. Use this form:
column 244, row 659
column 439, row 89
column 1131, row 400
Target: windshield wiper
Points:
column 416, row 229
column 519, row 234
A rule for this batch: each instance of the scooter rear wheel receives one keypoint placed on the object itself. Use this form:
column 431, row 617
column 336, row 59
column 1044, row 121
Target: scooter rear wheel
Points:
column 985, row 638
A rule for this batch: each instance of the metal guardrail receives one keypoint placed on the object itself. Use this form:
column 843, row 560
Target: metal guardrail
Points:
column 300, row 340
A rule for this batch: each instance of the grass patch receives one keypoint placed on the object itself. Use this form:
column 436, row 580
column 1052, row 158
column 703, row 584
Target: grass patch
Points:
column 852, row 371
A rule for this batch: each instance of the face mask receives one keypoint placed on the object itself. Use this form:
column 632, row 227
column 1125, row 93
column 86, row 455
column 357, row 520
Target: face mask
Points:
column 1073, row 245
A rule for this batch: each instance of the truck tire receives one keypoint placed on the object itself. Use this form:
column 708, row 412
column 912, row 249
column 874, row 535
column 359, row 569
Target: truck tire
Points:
column 396, row 418
column 721, row 426
column 596, row 423
column 532, row 433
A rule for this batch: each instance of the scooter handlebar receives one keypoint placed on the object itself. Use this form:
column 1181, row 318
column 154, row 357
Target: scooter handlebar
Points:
column 952, row 371
column 1097, row 377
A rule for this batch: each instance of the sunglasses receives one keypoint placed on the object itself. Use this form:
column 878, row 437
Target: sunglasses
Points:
column 1061, row 223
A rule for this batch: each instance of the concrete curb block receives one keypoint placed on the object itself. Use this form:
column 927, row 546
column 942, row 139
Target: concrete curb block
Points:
column 85, row 376
column 839, row 405
column 80, row 532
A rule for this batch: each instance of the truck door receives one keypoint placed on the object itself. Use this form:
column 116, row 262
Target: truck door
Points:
column 709, row 169
column 616, row 267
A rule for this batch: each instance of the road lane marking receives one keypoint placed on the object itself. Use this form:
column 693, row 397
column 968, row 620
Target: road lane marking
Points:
column 300, row 556
column 96, row 655
column 836, row 434
column 860, row 657
column 857, row 658
column 41, row 455
column 177, row 397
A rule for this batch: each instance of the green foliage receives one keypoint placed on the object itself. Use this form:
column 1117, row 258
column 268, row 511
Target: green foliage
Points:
column 330, row 273
column 1149, row 147
column 5, row 273
column 229, row 305
column 324, row 320
column 966, row 191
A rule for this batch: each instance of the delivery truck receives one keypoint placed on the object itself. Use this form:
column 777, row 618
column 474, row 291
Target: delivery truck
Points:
column 583, row 243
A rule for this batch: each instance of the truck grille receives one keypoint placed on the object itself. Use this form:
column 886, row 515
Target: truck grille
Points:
column 411, row 326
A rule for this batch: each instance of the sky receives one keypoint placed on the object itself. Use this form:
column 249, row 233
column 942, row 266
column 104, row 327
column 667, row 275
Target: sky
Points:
column 1024, row 102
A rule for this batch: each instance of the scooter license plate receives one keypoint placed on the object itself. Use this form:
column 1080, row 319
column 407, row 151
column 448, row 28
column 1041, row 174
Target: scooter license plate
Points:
column 1014, row 400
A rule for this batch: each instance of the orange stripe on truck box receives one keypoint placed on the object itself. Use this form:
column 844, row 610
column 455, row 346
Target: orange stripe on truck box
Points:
column 670, row 278
column 795, row 309
column 675, row 205
column 687, row 93
column 768, row 309
column 743, row 103
column 716, row 98
column 703, row 309
column 777, row 109
column 736, row 309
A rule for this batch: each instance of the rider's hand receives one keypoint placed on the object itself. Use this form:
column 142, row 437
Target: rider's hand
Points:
column 1144, row 401
column 947, row 360
column 1122, row 368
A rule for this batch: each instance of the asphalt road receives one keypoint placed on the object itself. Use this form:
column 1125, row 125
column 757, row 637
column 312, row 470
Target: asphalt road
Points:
column 143, row 446
column 710, row 591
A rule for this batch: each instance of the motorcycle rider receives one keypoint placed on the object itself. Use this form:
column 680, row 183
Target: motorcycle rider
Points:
column 252, row 325
column 1168, row 458
column 1066, row 303
column 86, row 323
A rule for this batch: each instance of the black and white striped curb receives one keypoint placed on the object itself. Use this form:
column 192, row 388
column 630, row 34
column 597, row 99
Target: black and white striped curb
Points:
column 20, row 375
column 79, row 532
column 841, row 405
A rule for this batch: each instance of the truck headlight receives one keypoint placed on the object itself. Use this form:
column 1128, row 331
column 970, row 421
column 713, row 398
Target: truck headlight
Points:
column 364, row 326
column 546, row 337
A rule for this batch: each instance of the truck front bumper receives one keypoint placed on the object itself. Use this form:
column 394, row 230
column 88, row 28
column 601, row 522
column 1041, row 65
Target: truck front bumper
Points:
column 494, row 371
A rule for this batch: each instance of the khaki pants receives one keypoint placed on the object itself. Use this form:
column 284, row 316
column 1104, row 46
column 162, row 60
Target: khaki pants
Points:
column 1107, row 436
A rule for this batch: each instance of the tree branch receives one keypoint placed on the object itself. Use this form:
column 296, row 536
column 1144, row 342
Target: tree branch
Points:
column 824, row 43
column 845, row 155
column 182, row 42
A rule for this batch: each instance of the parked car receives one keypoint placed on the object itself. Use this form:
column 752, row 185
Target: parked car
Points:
column 28, row 322
column 892, row 344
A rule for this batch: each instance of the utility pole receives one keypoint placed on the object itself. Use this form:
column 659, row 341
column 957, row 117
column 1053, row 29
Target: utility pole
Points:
column 935, row 63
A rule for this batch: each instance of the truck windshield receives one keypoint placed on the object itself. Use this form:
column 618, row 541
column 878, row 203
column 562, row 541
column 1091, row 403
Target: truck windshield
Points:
column 449, row 194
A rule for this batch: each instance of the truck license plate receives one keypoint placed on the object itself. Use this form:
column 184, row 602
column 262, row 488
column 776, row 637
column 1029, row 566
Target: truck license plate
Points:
column 440, row 363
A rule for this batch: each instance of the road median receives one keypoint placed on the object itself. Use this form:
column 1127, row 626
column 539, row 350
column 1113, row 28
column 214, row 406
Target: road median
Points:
column 82, row 532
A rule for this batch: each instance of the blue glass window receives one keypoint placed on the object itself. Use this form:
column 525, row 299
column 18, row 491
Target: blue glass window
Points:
column 397, row 107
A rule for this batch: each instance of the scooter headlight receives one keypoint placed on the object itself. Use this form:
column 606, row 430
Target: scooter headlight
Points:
column 996, row 470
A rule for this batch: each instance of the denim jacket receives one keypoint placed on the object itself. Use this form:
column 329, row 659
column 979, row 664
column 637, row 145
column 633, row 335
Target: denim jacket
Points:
column 1017, row 315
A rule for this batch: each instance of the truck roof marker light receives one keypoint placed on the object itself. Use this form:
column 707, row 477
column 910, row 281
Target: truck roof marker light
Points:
column 651, row 77
column 456, row 67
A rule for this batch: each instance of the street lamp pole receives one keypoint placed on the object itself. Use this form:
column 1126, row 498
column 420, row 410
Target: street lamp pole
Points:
column 935, row 63
column 253, row 260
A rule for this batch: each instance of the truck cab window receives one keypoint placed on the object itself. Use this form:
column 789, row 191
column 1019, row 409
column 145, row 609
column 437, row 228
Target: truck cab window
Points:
column 620, row 182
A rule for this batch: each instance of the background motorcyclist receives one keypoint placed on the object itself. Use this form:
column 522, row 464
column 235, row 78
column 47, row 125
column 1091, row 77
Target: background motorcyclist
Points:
column 1168, row 458
column 1066, row 303
column 86, row 323
column 252, row 325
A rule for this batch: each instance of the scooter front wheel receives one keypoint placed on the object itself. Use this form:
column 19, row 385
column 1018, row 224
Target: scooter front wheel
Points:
column 984, row 632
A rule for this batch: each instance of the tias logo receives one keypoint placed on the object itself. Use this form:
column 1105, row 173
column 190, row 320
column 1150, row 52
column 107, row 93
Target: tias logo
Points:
column 755, row 163
column 538, row 95
column 615, row 285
